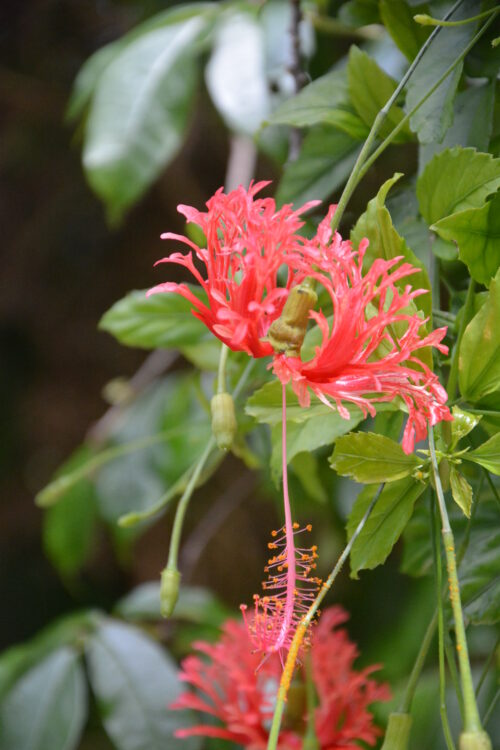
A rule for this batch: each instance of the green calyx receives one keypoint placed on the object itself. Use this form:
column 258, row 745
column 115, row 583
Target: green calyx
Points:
column 397, row 735
column 474, row 741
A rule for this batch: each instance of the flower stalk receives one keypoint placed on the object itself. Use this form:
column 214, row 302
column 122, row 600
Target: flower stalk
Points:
column 304, row 625
column 171, row 576
column 473, row 737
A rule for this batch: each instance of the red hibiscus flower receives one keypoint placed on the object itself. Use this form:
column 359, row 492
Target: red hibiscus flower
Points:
column 365, row 356
column 239, row 696
column 247, row 241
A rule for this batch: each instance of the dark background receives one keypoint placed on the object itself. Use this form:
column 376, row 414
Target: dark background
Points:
column 61, row 269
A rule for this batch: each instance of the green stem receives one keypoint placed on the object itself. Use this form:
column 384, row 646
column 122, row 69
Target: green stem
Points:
column 358, row 170
column 131, row 519
column 306, row 621
column 333, row 27
column 472, row 722
column 407, row 701
column 183, row 504
column 490, row 708
column 387, row 141
column 221, row 375
column 483, row 412
column 489, row 661
column 310, row 738
column 425, row 20
column 440, row 616
column 405, row 706
column 452, row 667
column 447, row 316
column 453, row 376
column 56, row 489
column 492, row 485
column 180, row 512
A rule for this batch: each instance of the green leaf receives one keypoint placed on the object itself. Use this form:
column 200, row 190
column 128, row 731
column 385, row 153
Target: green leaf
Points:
column 47, row 708
column 139, row 113
column 88, row 77
column 385, row 242
column 479, row 357
column 472, row 123
column 477, row 234
column 370, row 89
column 236, row 75
column 135, row 682
column 487, row 455
column 195, row 604
column 93, row 68
column 135, row 483
column 463, row 423
column 324, row 101
column 160, row 321
column 385, row 524
column 370, row 458
column 461, row 490
column 359, row 12
column 434, row 117
column 480, row 576
column 305, row 466
column 397, row 18
column 455, row 180
column 66, row 631
column 417, row 552
column 69, row 526
column 479, row 571
column 313, row 433
column 325, row 162
column 265, row 405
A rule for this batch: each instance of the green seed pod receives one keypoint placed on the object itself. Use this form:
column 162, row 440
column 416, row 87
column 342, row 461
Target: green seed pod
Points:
column 474, row 741
column 397, row 735
column 287, row 333
column 169, row 590
column 224, row 425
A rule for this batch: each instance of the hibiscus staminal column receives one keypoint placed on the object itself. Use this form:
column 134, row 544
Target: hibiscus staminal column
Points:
column 290, row 589
column 290, row 543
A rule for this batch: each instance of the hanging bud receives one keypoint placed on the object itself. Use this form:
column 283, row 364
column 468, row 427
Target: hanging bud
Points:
column 474, row 741
column 397, row 736
column 287, row 333
column 224, row 425
column 169, row 590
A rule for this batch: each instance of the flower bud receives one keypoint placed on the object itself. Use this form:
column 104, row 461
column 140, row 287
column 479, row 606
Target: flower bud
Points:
column 397, row 735
column 224, row 425
column 287, row 333
column 169, row 590
column 474, row 741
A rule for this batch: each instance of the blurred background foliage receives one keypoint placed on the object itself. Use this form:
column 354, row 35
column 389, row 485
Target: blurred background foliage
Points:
column 76, row 241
